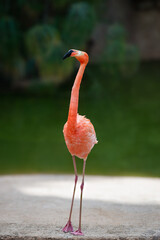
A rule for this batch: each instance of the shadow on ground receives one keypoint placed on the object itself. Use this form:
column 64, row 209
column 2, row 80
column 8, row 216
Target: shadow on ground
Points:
column 30, row 207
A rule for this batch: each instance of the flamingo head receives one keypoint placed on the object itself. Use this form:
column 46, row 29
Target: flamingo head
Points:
column 81, row 56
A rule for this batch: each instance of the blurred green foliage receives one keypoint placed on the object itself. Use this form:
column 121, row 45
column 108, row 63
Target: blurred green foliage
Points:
column 121, row 58
column 36, row 34
column 45, row 46
column 40, row 39
column 78, row 25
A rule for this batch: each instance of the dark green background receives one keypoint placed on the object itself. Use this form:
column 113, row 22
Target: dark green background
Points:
column 125, row 114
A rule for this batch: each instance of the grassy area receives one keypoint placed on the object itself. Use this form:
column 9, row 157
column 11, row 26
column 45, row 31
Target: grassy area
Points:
column 126, row 116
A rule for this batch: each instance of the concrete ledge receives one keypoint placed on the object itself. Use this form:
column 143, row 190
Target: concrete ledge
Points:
column 36, row 207
column 76, row 238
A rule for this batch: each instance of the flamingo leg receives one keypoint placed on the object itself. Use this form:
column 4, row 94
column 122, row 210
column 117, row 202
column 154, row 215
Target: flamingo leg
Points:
column 68, row 227
column 78, row 232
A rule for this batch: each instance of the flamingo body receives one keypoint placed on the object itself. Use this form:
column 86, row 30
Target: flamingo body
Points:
column 81, row 139
column 79, row 133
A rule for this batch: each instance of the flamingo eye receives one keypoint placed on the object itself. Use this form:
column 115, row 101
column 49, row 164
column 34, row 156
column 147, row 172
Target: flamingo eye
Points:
column 79, row 53
column 76, row 53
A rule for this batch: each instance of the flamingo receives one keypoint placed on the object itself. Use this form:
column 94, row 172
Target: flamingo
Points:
column 79, row 133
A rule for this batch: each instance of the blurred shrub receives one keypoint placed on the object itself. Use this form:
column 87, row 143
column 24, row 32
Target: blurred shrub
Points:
column 52, row 68
column 119, row 58
column 36, row 34
column 78, row 24
column 45, row 46
column 39, row 40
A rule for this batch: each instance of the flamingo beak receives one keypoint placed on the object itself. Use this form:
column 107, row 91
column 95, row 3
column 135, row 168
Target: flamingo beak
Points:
column 68, row 54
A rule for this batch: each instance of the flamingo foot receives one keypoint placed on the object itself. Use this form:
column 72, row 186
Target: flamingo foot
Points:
column 77, row 233
column 68, row 227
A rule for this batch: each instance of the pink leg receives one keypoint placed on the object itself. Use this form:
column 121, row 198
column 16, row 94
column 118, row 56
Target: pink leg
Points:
column 68, row 227
column 78, row 232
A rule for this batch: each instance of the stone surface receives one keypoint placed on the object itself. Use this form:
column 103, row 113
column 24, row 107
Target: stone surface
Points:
column 37, row 207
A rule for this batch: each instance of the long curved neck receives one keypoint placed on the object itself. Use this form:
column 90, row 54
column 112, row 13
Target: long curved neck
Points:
column 73, row 108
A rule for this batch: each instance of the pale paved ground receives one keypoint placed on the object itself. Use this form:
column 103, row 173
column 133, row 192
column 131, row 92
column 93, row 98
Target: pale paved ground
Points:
column 37, row 206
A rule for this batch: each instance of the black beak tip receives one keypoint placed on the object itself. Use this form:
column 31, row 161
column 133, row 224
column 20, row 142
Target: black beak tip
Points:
column 68, row 54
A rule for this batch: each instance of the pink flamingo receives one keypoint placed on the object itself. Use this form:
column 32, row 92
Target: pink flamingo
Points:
column 79, row 133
